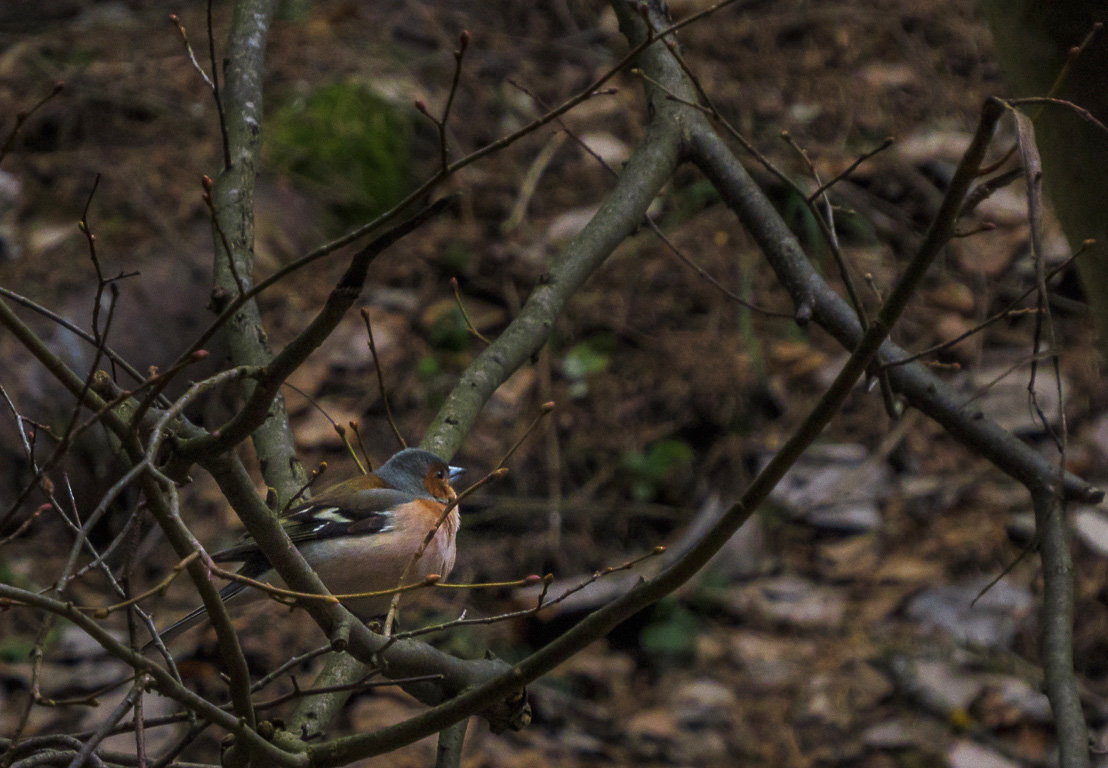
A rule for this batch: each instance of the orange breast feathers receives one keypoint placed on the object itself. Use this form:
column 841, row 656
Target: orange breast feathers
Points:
column 384, row 556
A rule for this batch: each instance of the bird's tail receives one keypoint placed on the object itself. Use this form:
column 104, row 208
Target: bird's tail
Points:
column 198, row 616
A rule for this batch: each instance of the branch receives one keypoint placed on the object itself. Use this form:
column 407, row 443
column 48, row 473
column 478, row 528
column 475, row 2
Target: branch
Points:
column 232, row 197
column 1051, row 524
column 161, row 679
column 816, row 301
column 1056, row 621
column 259, row 405
column 649, row 168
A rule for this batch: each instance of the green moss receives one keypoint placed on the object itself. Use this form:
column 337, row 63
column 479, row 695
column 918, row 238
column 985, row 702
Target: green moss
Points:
column 670, row 638
column 349, row 146
column 449, row 332
column 428, row 367
column 687, row 200
column 649, row 471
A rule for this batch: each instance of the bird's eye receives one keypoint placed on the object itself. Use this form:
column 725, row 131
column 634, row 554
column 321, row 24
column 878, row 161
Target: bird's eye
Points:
column 441, row 474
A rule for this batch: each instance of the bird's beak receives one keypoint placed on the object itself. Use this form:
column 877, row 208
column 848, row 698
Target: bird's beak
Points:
column 455, row 473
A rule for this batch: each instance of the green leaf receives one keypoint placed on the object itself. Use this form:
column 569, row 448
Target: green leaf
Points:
column 650, row 470
column 584, row 359
column 672, row 634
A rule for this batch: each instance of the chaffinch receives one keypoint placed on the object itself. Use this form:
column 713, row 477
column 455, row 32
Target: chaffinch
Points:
column 359, row 536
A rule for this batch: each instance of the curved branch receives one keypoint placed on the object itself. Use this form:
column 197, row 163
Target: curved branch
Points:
column 647, row 170
column 816, row 300
column 259, row 405
column 603, row 620
column 161, row 678
column 650, row 166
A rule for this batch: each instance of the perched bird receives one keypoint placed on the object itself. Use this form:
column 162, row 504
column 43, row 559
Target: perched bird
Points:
column 359, row 536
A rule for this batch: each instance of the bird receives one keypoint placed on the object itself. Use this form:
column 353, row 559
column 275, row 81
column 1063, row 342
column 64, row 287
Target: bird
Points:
column 359, row 536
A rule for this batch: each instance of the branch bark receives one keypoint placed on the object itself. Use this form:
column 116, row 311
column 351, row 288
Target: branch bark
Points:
column 1056, row 627
column 816, row 301
column 233, row 225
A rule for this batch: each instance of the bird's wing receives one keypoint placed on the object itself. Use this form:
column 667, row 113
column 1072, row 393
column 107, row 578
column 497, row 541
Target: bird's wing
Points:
column 364, row 512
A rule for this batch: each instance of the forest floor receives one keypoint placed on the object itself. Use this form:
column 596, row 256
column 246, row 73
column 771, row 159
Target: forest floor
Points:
column 841, row 626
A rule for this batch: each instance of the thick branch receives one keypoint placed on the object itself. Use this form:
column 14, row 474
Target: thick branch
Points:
column 817, row 301
column 1056, row 618
column 269, row 381
column 650, row 166
column 162, row 679
column 233, row 200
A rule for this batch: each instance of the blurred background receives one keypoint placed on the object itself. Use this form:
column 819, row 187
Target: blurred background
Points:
column 836, row 629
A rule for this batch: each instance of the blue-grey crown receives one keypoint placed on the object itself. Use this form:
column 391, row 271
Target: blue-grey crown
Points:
column 406, row 469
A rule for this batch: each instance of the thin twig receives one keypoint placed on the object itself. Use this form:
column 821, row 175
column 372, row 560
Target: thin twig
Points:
column 102, row 612
column 465, row 316
column 90, row 238
column 1083, row 113
column 358, row 685
column 381, row 379
column 21, row 529
column 541, row 603
column 208, row 185
column 77, row 331
column 1072, row 55
column 281, row 594
column 188, row 52
column 888, row 142
column 390, row 617
column 21, row 118
column 1008, row 311
column 295, row 661
column 312, row 478
column 459, row 54
column 365, row 464
column 544, row 410
column 110, row 721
